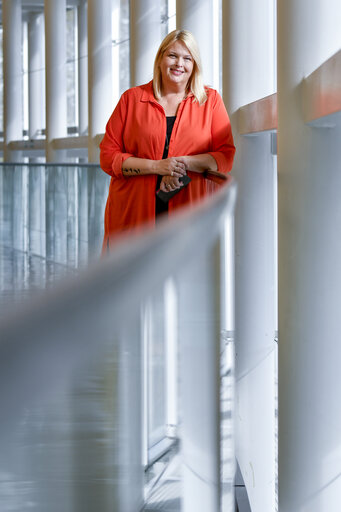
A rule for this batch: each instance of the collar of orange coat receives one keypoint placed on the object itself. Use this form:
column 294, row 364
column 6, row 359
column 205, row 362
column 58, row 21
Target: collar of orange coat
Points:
column 148, row 93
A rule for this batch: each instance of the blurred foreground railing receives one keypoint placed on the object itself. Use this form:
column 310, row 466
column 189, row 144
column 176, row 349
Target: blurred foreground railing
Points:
column 79, row 402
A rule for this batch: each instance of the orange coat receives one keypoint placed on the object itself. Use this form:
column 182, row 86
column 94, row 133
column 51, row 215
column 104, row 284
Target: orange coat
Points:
column 137, row 127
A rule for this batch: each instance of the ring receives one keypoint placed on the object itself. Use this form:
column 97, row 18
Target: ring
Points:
column 172, row 173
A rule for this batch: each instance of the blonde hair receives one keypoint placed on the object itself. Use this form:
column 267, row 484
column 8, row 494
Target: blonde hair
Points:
column 195, row 84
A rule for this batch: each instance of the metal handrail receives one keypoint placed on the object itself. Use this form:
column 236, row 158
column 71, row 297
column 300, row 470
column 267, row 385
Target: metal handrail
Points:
column 215, row 176
column 48, row 164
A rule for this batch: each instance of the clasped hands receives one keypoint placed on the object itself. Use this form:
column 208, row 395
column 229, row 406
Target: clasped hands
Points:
column 172, row 169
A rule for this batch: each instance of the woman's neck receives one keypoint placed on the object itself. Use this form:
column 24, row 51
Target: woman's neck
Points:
column 173, row 91
column 170, row 103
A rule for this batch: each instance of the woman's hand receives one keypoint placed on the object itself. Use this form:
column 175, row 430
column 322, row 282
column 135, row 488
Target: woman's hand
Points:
column 169, row 183
column 172, row 166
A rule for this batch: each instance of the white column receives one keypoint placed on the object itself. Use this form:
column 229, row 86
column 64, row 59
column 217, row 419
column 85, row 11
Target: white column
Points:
column 197, row 17
column 116, row 28
column 145, row 38
column 55, row 54
column 99, row 71
column 248, row 75
column 12, row 66
column 82, row 19
column 36, row 81
column 309, row 267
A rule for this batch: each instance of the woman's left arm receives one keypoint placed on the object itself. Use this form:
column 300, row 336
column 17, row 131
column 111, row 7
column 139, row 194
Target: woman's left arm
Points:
column 199, row 163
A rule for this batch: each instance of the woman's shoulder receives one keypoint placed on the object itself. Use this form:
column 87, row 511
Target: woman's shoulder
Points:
column 212, row 93
column 212, row 97
column 138, row 91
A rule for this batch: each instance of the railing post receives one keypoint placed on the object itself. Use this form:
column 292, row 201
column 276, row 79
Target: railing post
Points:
column 199, row 348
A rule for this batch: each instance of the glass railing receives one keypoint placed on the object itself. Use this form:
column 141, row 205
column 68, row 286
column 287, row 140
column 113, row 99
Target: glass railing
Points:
column 53, row 211
column 118, row 364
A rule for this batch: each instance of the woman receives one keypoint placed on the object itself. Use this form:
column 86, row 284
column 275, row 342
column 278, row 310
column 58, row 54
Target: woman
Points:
column 159, row 132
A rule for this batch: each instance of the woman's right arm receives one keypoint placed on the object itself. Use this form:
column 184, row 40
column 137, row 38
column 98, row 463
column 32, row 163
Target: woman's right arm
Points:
column 112, row 154
column 116, row 162
column 133, row 166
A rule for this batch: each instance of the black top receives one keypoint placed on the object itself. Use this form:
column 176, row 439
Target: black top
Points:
column 161, row 206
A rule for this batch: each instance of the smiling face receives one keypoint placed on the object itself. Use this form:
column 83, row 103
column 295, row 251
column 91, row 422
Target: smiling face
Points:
column 176, row 66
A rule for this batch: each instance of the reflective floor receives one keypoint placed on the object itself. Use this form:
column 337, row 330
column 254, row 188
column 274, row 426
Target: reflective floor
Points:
column 22, row 275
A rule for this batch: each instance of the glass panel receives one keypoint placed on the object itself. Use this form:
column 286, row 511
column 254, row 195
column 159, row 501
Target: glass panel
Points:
column 20, row 208
column 98, row 184
column 53, row 211
column 56, row 202
column 51, row 222
column 6, row 202
column 37, row 217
